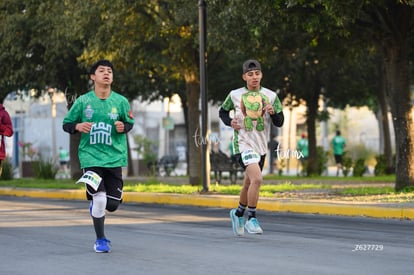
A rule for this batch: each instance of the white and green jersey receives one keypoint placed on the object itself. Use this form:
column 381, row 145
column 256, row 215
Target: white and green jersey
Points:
column 249, row 107
column 103, row 146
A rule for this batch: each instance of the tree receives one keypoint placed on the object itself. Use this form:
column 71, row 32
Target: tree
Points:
column 158, row 56
column 40, row 42
column 389, row 24
column 301, row 49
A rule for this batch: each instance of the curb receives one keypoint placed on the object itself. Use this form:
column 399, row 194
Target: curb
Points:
column 227, row 201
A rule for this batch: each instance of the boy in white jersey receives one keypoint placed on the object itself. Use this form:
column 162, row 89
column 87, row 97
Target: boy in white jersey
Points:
column 102, row 117
column 255, row 108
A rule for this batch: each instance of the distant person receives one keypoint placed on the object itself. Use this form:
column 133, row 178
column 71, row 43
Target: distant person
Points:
column 6, row 129
column 338, row 144
column 303, row 148
column 273, row 147
column 102, row 117
column 63, row 159
column 255, row 108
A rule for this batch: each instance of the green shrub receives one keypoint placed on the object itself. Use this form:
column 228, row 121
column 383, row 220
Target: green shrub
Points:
column 6, row 171
column 45, row 169
column 347, row 164
column 360, row 151
column 321, row 159
column 381, row 166
column 359, row 168
column 281, row 164
column 147, row 148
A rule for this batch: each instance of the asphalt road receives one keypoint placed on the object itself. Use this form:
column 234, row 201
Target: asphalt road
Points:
column 43, row 236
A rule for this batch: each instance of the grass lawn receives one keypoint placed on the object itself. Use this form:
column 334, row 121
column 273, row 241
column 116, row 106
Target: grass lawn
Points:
column 348, row 188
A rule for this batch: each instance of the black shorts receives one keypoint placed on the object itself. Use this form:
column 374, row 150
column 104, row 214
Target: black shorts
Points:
column 112, row 183
column 338, row 159
column 237, row 158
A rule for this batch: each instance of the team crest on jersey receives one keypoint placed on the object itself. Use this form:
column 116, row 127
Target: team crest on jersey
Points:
column 88, row 112
column 113, row 114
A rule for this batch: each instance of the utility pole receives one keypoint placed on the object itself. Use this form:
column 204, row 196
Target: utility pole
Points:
column 205, row 157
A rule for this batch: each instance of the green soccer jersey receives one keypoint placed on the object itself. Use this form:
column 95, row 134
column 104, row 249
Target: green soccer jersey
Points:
column 303, row 147
column 338, row 143
column 103, row 146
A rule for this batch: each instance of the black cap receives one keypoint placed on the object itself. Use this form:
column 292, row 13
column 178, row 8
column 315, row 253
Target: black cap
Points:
column 251, row 65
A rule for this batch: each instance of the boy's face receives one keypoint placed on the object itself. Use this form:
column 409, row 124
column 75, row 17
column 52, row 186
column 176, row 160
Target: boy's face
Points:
column 253, row 79
column 103, row 75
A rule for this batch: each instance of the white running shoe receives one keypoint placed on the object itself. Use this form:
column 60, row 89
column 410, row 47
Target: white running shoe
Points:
column 237, row 223
column 252, row 226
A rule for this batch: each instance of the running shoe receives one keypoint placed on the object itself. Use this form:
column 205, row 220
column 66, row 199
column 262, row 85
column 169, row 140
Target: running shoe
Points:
column 102, row 246
column 252, row 226
column 237, row 223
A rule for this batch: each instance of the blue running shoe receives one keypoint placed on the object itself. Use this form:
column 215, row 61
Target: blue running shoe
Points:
column 252, row 226
column 102, row 246
column 237, row 223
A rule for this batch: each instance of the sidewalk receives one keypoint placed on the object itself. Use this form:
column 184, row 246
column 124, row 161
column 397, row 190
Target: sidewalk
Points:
column 294, row 204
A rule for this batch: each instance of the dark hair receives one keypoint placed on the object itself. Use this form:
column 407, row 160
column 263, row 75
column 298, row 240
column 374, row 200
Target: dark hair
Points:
column 102, row 62
column 338, row 133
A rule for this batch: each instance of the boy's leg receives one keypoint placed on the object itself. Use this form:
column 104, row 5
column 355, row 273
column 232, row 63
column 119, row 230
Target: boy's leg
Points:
column 98, row 213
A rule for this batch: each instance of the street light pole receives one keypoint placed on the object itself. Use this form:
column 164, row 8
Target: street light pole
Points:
column 205, row 163
column 51, row 92
column 291, row 103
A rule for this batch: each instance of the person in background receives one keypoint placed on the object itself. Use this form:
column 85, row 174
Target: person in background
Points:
column 255, row 108
column 273, row 147
column 303, row 148
column 338, row 143
column 103, row 118
column 63, row 160
column 6, row 129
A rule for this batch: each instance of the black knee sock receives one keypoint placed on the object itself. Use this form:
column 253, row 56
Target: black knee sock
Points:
column 240, row 210
column 98, row 224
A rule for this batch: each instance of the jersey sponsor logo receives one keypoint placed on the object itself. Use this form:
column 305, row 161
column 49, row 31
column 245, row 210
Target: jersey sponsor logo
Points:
column 101, row 134
column 113, row 114
column 89, row 112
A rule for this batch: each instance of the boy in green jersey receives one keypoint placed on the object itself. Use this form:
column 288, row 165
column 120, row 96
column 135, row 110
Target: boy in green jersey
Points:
column 102, row 117
column 303, row 148
column 338, row 144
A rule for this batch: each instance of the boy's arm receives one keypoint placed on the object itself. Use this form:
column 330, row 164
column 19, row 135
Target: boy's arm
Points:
column 225, row 116
column 70, row 127
column 278, row 119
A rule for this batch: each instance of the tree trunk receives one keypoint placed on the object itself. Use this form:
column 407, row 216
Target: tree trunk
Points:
column 74, row 140
column 383, row 118
column 312, row 111
column 402, row 111
column 312, row 104
column 194, row 137
column 75, row 171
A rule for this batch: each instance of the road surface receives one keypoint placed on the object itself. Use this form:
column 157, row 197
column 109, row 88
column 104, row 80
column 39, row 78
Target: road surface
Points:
column 41, row 236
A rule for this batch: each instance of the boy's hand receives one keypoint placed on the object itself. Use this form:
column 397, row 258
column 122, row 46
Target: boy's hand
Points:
column 269, row 109
column 84, row 127
column 119, row 126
